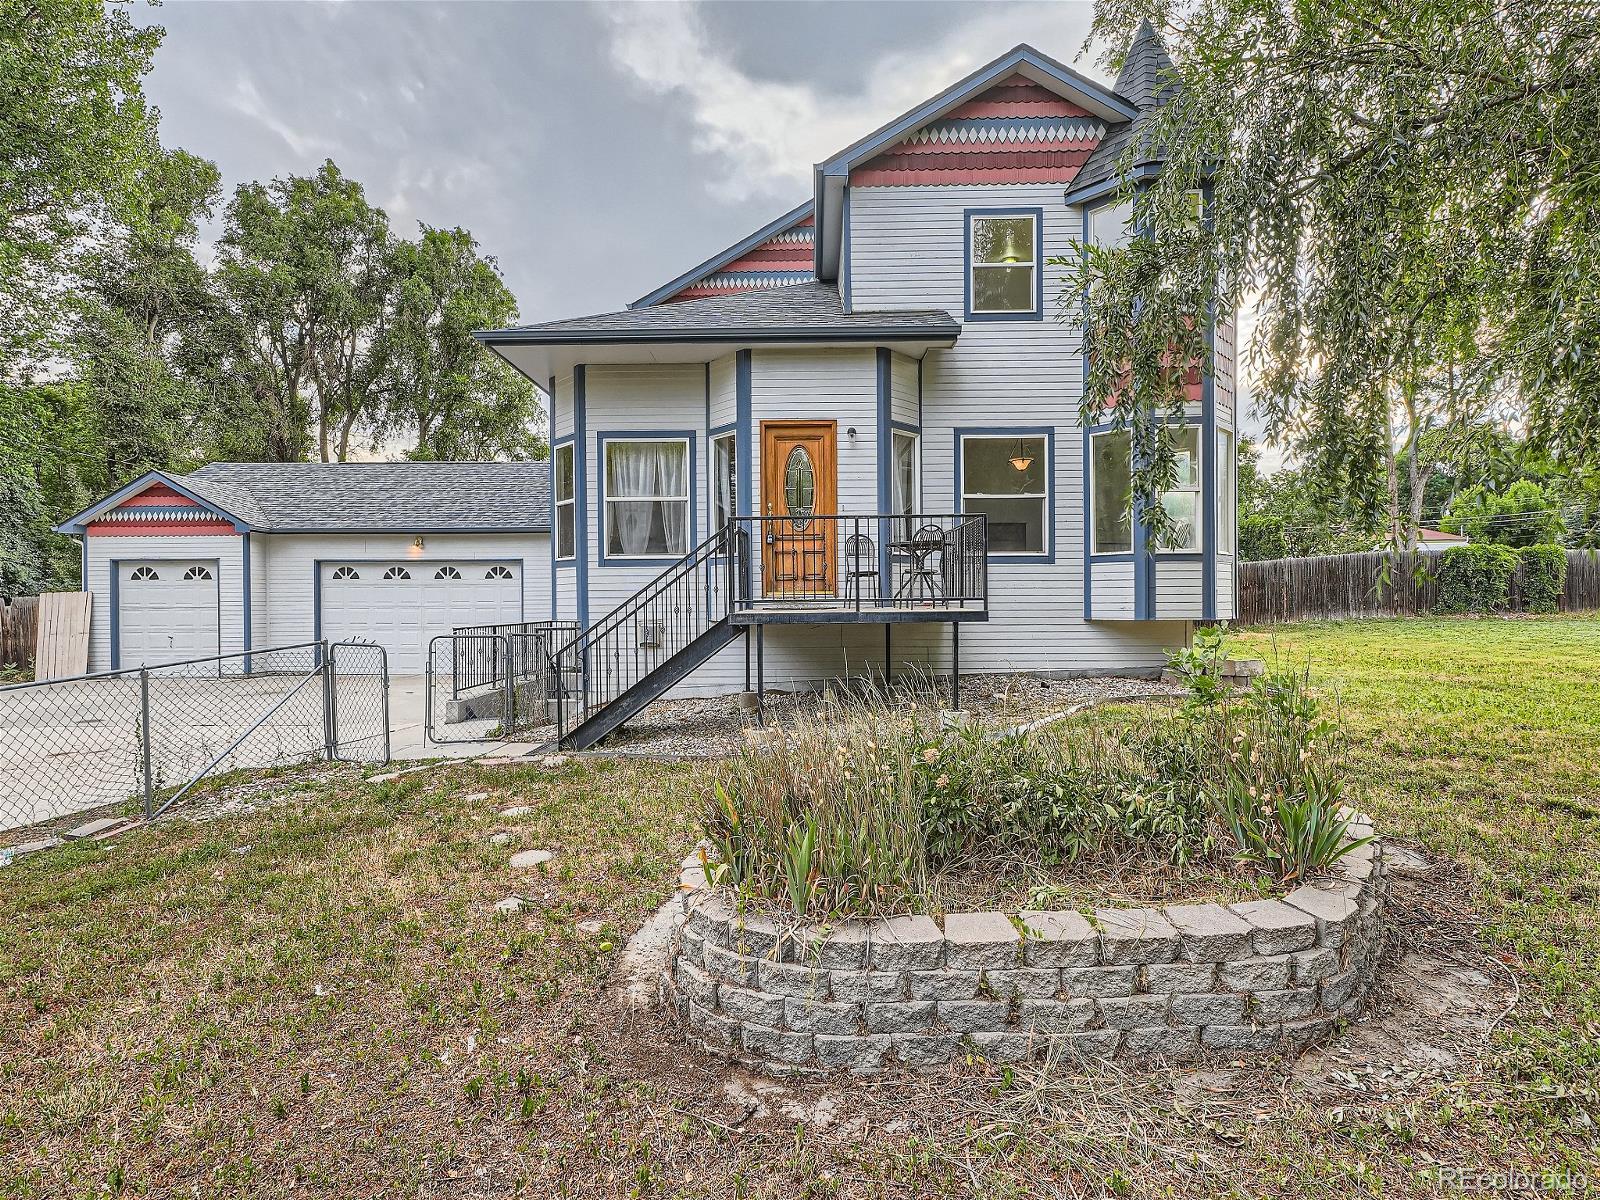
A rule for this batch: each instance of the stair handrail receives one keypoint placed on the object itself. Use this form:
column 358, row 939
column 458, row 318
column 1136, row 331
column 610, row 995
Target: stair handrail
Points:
column 689, row 562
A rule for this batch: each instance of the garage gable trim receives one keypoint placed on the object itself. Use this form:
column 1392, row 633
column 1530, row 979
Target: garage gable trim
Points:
column 78, row 524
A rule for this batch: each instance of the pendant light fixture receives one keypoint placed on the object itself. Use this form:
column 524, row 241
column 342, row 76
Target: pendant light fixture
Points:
column 1021, row 461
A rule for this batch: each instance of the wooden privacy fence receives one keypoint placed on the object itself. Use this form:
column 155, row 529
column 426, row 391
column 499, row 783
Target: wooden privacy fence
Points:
column 1339, row 587
column 19, row 626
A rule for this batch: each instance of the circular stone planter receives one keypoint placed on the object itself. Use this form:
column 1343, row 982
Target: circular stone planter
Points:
column 1176, row 982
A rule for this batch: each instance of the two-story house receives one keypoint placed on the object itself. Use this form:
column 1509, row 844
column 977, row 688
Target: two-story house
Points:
column 850, row 442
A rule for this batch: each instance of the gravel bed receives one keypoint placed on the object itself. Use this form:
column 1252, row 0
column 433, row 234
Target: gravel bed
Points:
column 713, row 727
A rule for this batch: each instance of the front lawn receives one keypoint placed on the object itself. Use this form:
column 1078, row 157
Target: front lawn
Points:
column 319, row 999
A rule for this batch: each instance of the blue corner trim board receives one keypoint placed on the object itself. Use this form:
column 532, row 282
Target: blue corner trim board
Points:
column 1036, row 313
column 639, row 435
column 844, row 253
column 1047, row 432
column 885, row 452
column 1208, row 453
column 116, row 609
column 244, row 550
column 746, row 445
column 580, row 487
column 1088, row 530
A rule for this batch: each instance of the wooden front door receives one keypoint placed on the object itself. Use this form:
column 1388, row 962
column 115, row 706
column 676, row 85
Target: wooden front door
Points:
column 799, row 484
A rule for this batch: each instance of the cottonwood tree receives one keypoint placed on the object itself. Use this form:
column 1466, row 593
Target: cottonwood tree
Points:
column 301, row 277
column 448, row 394
column 1411, row 190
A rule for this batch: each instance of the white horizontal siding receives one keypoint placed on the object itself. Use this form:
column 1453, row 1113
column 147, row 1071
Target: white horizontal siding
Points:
column 227, row 551
column 1226, row 609
column 1112, row 598
column 905, row 403
column 1177, row 589
column 291, row 560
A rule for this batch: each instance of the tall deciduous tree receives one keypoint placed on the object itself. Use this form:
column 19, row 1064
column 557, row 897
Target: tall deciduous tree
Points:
column 303, row 277
column 1414, row 191
column 75, row 133
column 453, row 398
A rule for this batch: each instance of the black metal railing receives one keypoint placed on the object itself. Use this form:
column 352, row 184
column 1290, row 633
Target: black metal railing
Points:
column 860, row 563
column 647, row 630
column 518, row 652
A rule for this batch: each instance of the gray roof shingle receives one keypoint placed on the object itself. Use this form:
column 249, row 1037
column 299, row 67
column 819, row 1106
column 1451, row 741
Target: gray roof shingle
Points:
column 1143, row 82
column 399, row 497
column 810, row 309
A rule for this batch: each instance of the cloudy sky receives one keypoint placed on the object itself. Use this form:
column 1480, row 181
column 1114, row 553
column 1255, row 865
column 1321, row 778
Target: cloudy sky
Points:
column 597, row 150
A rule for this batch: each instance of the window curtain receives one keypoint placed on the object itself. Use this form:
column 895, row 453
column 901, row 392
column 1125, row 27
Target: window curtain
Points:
column 640, row 470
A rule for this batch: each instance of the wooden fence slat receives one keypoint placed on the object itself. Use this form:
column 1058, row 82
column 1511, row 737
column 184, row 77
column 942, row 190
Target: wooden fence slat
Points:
column 1348, row 586
column 19, row 623
column 62, row 648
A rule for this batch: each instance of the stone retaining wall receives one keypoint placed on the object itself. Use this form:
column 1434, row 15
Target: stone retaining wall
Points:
column 1175, row 983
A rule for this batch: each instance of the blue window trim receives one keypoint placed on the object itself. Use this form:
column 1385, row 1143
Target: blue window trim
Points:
column 556, row 560
column 1048, row 432
column 318, row 563
column 1037, row 312
column 654, row 435
column 885, row 386
column 1208, row 451
column 1090, row 556
column 244, row 559
column 747, row 436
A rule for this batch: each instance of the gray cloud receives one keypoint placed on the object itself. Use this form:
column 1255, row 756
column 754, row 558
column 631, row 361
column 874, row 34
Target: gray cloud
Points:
column 596, row 150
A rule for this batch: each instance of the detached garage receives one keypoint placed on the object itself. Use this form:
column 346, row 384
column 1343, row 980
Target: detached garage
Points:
column 239, row 556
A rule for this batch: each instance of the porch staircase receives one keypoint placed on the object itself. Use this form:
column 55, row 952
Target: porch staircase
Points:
column 612, row 670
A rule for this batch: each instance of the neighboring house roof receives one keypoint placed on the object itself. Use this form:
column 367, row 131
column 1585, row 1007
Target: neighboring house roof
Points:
column 778, row 253
column 809, row 311
column 1144, row 81
column 391, row 497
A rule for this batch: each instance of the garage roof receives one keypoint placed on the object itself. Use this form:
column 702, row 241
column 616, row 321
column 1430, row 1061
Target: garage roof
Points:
column 393, row 497
column 386, row 497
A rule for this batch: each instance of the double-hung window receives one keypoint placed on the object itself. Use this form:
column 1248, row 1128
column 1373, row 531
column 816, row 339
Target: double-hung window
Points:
column 646, row 497
column 1007, row 478
column 724, row 479
column 1003, row 264
column 566, row 527
column 1227, row 494
column 1110, row 493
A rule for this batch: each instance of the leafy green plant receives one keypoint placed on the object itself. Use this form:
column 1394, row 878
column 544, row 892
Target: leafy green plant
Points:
column 1282, row 792
column 1543, row 576
column 799, row 862
column 1201, row 663
column 1475, row 578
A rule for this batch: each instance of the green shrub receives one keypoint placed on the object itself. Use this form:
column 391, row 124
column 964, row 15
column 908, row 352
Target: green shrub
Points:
column 1261, row 537
column 1475, row 578
column 1544, row 575
column 1201, row 663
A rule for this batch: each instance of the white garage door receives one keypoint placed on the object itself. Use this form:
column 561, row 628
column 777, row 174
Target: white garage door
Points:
column 401, row 605
column 166, row 611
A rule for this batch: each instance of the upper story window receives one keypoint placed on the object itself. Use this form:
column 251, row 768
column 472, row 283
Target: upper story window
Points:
column 646, row 497
column 1007, row 478
column 724, row 479
column 1003, row 264
column 566, row 527
column 1111, row 486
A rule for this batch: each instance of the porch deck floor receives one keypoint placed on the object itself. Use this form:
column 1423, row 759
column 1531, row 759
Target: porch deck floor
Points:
column 825, row 612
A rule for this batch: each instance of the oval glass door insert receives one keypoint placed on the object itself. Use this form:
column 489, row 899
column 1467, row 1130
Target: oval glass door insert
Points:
column 799, row 487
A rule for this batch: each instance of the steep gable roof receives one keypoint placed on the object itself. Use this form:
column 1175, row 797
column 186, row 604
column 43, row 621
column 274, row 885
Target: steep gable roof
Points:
column 1016, row 131
column 777, row 254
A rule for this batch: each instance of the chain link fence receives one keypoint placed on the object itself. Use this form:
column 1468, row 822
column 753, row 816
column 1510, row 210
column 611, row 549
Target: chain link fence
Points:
column 148, row 735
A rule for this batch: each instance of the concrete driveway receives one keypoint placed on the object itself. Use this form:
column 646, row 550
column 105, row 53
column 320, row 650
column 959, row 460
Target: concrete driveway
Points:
column 73, row 746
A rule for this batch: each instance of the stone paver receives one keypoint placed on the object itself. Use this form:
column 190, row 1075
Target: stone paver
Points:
column 526, row 860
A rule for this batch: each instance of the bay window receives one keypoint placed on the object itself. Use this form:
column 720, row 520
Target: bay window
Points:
column 1111, row 486
column 646, row 497
column 566, row 528
column 724, row 479
column 1007, row 478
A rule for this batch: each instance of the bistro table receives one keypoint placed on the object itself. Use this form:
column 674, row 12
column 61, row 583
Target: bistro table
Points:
column 920, row 581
